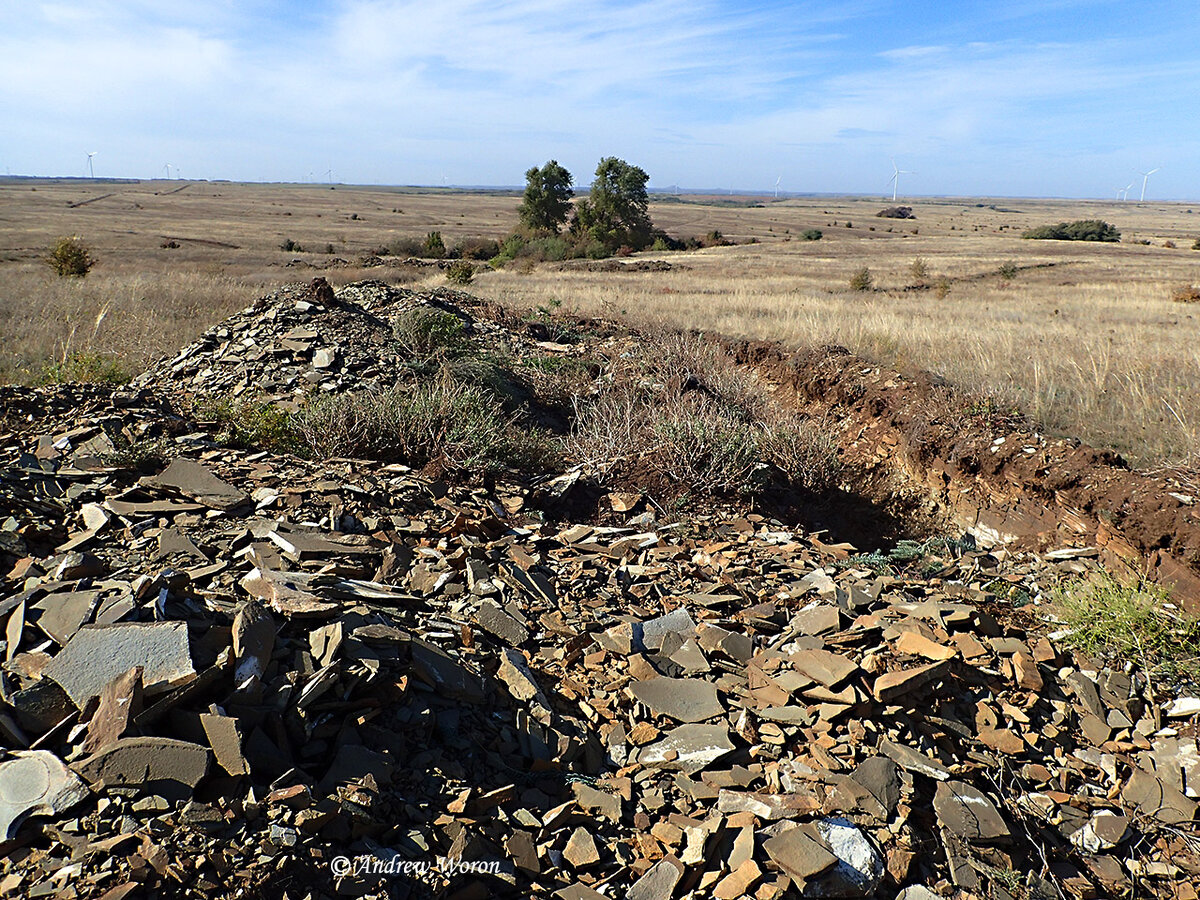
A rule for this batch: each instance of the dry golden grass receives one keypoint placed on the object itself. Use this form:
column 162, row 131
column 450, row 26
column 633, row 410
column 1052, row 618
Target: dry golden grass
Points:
column 1083, row 336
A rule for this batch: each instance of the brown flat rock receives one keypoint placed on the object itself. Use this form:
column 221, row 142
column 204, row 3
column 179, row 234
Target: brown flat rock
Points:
column 683, row 699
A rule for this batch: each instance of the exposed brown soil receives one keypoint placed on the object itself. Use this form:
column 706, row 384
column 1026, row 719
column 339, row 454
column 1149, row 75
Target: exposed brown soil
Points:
column 905, row 438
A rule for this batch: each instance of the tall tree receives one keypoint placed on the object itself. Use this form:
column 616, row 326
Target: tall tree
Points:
column 616, row 211
column 547, row 199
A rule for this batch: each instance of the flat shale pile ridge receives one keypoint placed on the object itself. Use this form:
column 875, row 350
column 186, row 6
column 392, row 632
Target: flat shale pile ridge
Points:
column 230, row 673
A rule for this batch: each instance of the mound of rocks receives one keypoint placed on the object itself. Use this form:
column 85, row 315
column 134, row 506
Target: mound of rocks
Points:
column 229, row 673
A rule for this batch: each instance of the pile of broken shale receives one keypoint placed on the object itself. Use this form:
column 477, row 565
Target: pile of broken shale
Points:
column 223, row 675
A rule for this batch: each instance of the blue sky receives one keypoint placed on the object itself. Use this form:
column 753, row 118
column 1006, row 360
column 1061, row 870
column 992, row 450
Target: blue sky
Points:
column 1052, row 98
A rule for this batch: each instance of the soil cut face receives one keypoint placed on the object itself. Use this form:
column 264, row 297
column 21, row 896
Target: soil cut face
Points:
column 906, row 440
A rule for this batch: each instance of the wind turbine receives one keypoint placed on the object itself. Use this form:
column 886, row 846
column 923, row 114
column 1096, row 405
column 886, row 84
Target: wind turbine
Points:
column 91, row 173
column 1145, row 178
column 895, row 179
column 329, row 174
column 167, row 169
column 777, row 180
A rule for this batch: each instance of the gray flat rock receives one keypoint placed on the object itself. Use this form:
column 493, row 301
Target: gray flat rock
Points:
column 969, row 813
column 99, row 653
column 688, row 748
column 658, row 883
column 799, row 855
column 193, row 480
column 153, row 765
column 683, row 699
column 914, row 760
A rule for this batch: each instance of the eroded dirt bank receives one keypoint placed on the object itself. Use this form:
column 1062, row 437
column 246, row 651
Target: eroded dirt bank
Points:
column 906, row 440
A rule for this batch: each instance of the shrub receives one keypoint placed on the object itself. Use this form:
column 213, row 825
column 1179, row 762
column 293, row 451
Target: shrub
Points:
column 70, row 257
column 861, row 280
column 1186, row 293
column 895, row 212
column 919, row 269
column 460, row 272
column 250, row 424
column 481, row 249
column 87, row 367
column 1170, row 245
column 425, row 331
column 1079, row 230
column 460, row 427
column 941, row 287
column 812, row 234
column 1007, row 270
column 1196, row 244
column 291, row 246
column 434, row 247
column 1123, row 622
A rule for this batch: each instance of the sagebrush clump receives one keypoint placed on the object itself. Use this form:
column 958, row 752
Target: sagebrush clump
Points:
column 1079, row 230
column 71, row 258
column 861, row 280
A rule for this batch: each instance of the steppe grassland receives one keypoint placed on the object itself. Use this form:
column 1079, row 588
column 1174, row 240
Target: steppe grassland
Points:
column 1083, row 336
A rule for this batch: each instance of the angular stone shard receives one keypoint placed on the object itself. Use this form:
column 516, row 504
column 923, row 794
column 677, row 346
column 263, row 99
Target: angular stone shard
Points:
column 688, row 748
column 969, row 813
column 859, row 867
column 829, row 669
column 120, row 702
column 99, row 653
column 193, row 480
column 658, row 883
column 35, row 783
column 914, row 760
column 896, row 684
column 683, row 699
column 799, row 855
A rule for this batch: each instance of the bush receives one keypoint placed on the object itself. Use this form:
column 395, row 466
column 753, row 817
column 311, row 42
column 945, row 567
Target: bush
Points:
column 460, row 427
column 894, row 212
column 1008, row 270
column 861, row 280
column 481, row 249
column 70, row 257
column 291, row 246
column 1079, row 230
column 919, row 269
column 425, row 331
column 941, row 287
column 1186, row 293
column 86, row 367
column 1130, row 623
column 460, row 272
column 812, row 234
column 434, row 247
column 1196, row 244
column 250, row 424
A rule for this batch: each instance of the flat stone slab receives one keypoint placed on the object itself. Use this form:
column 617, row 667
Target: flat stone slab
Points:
column 193, row 480
column 799, row 855
column 688, row 748
column 36, row 783
column 151, row 765
column 969, row 813
column 683, row 699
column 99, row 653
column 914, row 760
column 826, row 668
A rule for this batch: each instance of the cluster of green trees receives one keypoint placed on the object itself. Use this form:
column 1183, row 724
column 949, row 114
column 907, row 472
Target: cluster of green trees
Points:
column 613, row 218
column 1080, row 230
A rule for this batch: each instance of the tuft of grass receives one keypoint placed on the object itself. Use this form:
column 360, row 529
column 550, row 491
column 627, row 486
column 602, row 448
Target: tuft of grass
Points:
column 251, row 424
column 85, row 366
column 70, row 257
column 1107, row 618
column 461, row 427
column 425, row 331
column 919, row 269
column 941, row 287
column 1007, row 270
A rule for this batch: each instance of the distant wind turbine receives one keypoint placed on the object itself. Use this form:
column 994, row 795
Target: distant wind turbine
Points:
column 895, row 179
column 91, row 173
column 1145, row 178
column 329, row 174
column 777, row 180
column 167, row 169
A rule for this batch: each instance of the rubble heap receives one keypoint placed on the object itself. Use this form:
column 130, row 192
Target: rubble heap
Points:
column 231, row 673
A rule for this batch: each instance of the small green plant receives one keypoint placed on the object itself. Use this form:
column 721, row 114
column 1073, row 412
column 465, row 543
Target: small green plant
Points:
column 434, row 246
column 941, row 287
column 919, row 269
column 460, row 272
column 861, row 280
column 1008, row 270
column 1126, row 622
column 291, row 246
column 250, row 424
column 70, row 257
column 85, row 366
column 812, row 234
column 425, row 331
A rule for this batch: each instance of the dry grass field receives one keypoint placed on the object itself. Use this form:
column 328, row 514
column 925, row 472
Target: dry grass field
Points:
column 1085, row 337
